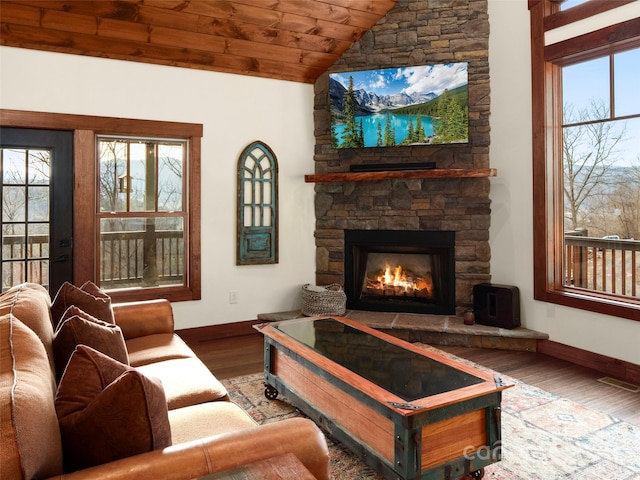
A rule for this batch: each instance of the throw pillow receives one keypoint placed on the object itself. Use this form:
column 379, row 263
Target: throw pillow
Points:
column 88, row 297
column 73, row 311
column 78, row 327
column 108, row 410
column 94, row 290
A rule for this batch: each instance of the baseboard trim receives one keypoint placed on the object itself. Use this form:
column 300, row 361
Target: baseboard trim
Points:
column 613, row 367
column 215, row 332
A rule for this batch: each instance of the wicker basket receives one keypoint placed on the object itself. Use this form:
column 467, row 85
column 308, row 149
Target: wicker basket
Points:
column 323, row 300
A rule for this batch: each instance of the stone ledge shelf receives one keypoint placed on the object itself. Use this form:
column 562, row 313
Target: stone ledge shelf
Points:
column 393, row 174
column 435, row 329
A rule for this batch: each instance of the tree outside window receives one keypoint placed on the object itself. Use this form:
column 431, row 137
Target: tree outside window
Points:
column 586, row 165
column 25, row 216
column 600, row 165
column 141, row 212
column 601, row 141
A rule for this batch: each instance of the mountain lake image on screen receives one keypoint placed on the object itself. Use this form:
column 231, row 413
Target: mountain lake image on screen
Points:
column 417, row 105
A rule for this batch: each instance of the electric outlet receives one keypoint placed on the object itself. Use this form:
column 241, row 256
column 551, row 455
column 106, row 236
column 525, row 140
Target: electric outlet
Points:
column 233, row 296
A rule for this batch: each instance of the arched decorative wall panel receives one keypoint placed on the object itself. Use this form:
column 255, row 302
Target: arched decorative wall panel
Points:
column 257, row 227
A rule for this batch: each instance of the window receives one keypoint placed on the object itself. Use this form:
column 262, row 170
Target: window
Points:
column 153, row 190
column 586, row 117
column 25, row 216
column 572, row 3
column 141, row 212
column 601, row 173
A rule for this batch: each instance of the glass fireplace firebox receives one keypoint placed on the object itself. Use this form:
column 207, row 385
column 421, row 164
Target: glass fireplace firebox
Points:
column 400, row 271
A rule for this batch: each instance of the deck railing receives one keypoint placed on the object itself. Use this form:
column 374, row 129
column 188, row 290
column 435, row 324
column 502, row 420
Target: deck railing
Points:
column 598, row 264
column 15, row 269
column 126, row 258
column 123, row 256
column 603, row 265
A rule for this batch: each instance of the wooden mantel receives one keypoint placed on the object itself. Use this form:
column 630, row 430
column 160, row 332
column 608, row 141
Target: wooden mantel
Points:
column 385, row 175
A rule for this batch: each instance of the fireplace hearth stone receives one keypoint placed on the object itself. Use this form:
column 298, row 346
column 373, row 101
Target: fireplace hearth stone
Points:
column 434, row 329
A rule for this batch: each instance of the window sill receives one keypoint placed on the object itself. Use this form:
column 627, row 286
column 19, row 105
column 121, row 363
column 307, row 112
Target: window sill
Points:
column 173, row 294
column 597, row 302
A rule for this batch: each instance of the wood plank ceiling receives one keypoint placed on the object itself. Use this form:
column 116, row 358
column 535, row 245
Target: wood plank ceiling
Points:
column 294, row 40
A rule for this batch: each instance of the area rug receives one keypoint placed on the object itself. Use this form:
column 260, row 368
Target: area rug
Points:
column 545, row 437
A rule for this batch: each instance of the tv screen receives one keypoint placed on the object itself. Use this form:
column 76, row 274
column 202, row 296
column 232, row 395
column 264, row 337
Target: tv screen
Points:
column 418, row 105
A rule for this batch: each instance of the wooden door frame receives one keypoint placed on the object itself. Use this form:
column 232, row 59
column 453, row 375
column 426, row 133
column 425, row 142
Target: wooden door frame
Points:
column 84, row 129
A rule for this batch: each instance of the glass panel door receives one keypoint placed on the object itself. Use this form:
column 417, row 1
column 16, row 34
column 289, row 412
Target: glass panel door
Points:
column 37, row 199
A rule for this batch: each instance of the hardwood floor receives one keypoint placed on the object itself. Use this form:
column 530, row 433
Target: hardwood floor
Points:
column 243, row 355
column 232, row 356
column 563, row 378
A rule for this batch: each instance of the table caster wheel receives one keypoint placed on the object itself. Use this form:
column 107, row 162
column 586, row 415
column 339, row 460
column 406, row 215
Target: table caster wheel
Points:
column 478, row 474
column 270, row 392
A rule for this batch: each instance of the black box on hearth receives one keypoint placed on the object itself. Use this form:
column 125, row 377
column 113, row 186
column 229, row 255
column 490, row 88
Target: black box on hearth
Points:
column 496, row 305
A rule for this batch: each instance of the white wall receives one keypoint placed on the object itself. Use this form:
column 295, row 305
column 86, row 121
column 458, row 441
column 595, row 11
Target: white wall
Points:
column 511, row 195
column 235, row 110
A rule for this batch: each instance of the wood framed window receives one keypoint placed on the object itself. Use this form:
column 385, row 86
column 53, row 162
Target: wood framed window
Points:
column 141, row 212
column 156, row 187
column 586, row 125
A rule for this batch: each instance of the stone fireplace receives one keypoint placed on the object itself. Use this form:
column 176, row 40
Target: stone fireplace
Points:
column 403, row 271
column 414, row 32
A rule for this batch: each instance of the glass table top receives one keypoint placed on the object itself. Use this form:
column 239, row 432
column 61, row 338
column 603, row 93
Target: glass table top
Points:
column 402, row 372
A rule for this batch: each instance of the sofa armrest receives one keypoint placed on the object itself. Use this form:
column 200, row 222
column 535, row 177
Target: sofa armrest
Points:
column 149, row 317
column 198, row 458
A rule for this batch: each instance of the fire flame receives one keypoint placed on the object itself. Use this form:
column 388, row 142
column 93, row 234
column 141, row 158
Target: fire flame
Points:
column 397, row 279
column 399, row 282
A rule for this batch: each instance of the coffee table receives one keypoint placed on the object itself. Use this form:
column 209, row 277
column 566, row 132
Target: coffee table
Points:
column 407, row 411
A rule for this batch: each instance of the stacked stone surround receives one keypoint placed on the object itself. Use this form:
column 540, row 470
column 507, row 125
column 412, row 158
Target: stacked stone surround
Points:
column 414, row 32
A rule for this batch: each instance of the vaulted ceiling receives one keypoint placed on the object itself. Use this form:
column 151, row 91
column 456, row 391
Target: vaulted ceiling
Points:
column 293, row 40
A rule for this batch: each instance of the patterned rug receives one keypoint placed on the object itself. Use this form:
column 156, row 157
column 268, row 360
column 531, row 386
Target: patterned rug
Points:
column 545, row 437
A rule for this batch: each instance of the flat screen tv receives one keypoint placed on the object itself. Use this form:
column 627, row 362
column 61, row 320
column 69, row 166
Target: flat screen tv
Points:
column 390, row 107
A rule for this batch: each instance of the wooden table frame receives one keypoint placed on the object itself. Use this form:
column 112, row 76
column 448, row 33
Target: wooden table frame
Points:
column 442, row 436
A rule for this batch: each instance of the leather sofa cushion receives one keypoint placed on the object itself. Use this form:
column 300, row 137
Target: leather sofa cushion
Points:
column 108, row 410
column 208, row 419
column 186, row 381
column 30, row 444
column 157, row 348
column 30, row 304
column 88, row 297
column 77, row 327
column 146, row 317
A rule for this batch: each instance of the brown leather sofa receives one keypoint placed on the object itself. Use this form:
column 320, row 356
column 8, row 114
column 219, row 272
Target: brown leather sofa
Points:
column 209, row 433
